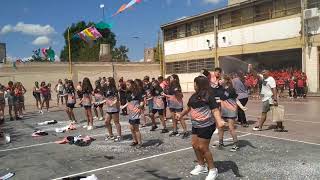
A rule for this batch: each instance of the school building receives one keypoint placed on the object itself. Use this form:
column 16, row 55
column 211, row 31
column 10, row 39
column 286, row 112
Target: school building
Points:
column 272, row 34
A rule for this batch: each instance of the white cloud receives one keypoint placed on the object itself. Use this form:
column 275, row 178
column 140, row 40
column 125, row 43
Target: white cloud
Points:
column 211, row 1
column 6, row 29
column 41, row 40
column 29, row 29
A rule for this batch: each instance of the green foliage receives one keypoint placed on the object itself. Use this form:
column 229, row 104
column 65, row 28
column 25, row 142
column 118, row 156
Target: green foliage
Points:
column 82, row 51
column 120, row 54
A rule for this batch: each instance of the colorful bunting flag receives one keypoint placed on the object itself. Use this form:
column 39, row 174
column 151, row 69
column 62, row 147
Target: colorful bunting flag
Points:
column 126, row 6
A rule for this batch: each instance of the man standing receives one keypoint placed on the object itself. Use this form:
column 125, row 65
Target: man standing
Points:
column 269, row 98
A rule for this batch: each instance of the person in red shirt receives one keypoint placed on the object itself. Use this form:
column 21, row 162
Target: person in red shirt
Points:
column 280, row 85
column 292, row 91
column 300, row 87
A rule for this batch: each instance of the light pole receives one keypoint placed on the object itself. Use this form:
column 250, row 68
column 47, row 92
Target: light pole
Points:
column 103, row 18
column 102, row 7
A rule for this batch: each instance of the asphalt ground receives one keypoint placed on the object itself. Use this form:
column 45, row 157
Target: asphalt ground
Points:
column 263, row 155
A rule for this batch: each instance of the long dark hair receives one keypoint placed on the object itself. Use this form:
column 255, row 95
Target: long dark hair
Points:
column 70, row 85
column 155, row 86
column 98, row 86
column 86, row 85
column 202, row 90
column 228, row 81
column 134, row 87
column 139, row 84
column 112, row 85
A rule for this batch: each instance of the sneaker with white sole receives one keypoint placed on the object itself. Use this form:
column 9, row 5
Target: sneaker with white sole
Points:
column 117, row 139
column 257, row 129
column 89, row 128
column 85, row 126
column 198, row 170
column 101, row 119
column 213, row 174
column 95, row 118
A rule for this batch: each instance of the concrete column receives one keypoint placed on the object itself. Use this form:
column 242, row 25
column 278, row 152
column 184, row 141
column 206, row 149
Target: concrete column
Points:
column 312, row 68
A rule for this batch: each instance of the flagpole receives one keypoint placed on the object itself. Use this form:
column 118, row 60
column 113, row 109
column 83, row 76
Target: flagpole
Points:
column 69, row 49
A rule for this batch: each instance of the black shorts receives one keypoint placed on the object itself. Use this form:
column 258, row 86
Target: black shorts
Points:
column 110, row 113
column 87, row 107
column 159, row 111
column 69, row 105
column 175, row 110
column 99, row 105
column 204, row 133
column 134, row 121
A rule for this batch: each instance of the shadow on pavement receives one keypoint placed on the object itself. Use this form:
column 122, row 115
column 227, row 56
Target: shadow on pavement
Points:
column 155, row 173
column 224, row 166
column 153, row 142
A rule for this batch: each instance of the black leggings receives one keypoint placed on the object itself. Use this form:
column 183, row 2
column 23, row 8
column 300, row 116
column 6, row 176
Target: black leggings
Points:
column 241, row 114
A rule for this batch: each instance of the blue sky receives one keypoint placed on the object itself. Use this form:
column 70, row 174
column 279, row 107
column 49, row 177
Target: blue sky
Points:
column 29, row 24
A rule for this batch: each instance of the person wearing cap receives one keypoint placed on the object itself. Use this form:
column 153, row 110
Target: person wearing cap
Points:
column 269, row 98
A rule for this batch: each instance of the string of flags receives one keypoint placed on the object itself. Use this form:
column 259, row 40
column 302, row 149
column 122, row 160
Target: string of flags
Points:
column 126, row 6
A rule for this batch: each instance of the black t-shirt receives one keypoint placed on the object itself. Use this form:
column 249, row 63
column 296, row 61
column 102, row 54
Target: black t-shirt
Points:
column 201, row 110
column 196, row 102
column 229, row 93
column 110, row 92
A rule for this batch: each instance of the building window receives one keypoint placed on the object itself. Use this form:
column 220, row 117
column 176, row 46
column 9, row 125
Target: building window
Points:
column 263, row 11
column 247, row 15
column 190, row 66
column 279, row 8
column 224, row 21
column 314, row 4
column 293, row 7
column 170, row 34
column 236, row 18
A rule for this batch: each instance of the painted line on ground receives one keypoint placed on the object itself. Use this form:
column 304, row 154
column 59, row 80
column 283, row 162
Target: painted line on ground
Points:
column 279, row 138
column 134, row 161
column 42, row 144
column 293, row 120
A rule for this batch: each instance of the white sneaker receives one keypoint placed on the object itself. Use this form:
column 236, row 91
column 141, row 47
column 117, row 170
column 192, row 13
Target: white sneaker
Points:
column 101, row 119
column 213, row 174
column 85, row 126
column 89, row 128
column 41, row 112
column 95, row 118
column 256, row 129
column 199, row 169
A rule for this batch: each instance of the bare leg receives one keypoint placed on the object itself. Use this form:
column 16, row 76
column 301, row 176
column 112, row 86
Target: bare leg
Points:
column 174, row 121
column 262, row 120
column 163, row 122
column 117, row 123
column 206, row 153
column 72, row 114
column 184, row 125
column 195, row 145
column 108, row 124
column 101, row 111
column 95, row 112
column 153, row 120
column 134, row 136
column 90, row 117
column 138, row 134
column 68, row 112
column 232, row 130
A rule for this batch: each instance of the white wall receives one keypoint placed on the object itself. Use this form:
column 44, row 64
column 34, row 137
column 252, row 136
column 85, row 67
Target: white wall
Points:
column 188, row 44
column 186, row 81
column 312, row 68
column 282, row 29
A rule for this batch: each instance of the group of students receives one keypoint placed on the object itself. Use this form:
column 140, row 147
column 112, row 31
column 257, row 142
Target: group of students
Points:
column 214, row 103
column 294, row 81
column 14, row 93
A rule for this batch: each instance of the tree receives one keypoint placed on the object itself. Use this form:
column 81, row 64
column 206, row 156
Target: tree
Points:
column 82, row 51
column 120, row 54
